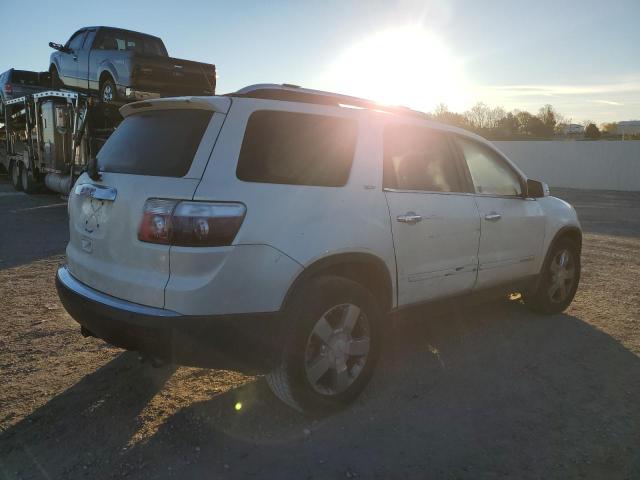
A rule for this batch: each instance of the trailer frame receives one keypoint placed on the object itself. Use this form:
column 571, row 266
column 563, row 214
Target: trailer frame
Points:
column 25, row 146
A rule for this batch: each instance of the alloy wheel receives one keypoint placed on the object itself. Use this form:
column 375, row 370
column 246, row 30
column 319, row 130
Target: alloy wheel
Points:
column 107, row 93
column 337, row 349
column 562, row 271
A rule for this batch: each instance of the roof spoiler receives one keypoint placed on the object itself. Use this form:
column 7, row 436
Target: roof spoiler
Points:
column 216, row 104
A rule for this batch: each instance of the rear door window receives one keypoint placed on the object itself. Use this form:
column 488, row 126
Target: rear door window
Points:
column 156, row 143
column 297, row 149
column 419, row 158
column 131, row 41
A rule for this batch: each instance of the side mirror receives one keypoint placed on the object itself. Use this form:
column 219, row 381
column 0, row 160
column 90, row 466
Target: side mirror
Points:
column 59, row 47
column 536, row 189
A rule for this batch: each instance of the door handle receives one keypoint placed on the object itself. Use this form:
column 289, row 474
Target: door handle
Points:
column 410, row 217
column 493, row 217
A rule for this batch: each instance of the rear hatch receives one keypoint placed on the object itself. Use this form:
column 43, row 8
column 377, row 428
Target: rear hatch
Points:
column 159, row 150
column 174, row 76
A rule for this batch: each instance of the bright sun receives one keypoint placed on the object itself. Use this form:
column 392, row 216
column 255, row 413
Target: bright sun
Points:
column 401, row 66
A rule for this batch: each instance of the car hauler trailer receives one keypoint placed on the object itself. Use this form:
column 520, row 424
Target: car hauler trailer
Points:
column 51, row 136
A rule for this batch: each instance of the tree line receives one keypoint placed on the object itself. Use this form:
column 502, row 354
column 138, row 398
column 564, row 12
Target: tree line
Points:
column 498, row 124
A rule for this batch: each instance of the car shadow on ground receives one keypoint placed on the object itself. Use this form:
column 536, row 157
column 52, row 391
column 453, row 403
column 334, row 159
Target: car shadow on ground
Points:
column 488, row 392
column 32, row 227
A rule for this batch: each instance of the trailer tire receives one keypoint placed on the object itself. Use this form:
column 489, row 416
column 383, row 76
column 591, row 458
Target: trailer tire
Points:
column 29, row 184
column 14, row 174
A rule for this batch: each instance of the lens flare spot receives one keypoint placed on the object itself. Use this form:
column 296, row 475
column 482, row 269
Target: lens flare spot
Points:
column 406, row 65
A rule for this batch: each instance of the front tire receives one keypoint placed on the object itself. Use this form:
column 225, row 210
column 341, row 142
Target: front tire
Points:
column 332, row 347
column 559, row 279
column 56, row 83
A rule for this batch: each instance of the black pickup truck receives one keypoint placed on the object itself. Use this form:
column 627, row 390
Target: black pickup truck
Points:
column 123, row 65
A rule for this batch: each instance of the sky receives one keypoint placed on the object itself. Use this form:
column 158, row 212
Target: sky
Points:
column 583, row 57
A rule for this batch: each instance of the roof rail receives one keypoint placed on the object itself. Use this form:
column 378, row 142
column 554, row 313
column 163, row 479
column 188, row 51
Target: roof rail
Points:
column 294, row 93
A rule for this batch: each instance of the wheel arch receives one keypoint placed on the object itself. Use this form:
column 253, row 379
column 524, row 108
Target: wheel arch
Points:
column 104, row 74
column 568, row 231
column 571, row 232
column 366, row 269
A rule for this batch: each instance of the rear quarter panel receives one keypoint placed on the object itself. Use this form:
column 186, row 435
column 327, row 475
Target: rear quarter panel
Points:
column 117, row 63
column 306, row 223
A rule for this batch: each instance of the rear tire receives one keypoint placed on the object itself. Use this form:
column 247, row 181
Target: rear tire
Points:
column 108, row 91
column 332, row 347
column 29, row 184
column 559, row 279
column 14, row 174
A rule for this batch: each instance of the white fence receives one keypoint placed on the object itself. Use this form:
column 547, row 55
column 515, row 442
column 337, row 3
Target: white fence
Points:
column 602, row 165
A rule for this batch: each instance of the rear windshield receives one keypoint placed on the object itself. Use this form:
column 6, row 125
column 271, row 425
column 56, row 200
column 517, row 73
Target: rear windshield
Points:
column 159, row 143
column 297, row 149
column 21, row 77
column 131, row 41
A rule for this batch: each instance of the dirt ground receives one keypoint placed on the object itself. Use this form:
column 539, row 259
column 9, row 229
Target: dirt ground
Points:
column 489, row 392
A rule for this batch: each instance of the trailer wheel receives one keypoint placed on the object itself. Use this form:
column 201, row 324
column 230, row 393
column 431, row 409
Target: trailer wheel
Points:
column 29, row 184
column 14, row 173
column 108, row 91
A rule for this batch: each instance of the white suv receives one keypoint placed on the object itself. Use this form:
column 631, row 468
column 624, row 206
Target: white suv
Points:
column 274, row 229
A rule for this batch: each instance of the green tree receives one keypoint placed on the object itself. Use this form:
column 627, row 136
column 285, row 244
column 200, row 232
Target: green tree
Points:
column 508, row 125
column 592, row 132
column 537, row 128
column 549, row 117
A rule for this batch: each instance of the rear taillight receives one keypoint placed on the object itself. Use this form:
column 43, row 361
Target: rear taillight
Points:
column 8, row 88
column 156, row 219
column 190, row 224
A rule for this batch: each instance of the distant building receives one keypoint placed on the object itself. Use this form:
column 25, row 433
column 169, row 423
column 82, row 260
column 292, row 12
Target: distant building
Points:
column 629, row 127
column 573, row 129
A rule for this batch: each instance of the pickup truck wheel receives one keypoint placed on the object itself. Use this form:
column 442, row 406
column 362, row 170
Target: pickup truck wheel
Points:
column 14, row 172
column 29, row 184
column 56, row 83
column 332, row 348
column 108, row 91
column 559, row 279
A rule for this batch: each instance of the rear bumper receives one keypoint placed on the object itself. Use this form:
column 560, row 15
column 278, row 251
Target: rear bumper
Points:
column 249, row 343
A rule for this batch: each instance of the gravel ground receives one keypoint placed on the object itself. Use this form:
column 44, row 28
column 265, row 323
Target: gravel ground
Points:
column 489, row 392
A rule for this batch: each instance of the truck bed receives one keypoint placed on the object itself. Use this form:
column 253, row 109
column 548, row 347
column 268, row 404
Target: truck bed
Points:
column 173, row 76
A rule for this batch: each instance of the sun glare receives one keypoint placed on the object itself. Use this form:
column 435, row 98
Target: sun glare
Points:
column 400, row 66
